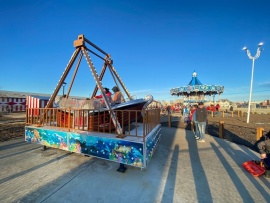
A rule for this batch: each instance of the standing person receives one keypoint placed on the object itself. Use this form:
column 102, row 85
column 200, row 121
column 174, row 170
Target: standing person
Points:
column 186, row 115
column 217, row 108
column 201, row 117
column 168, row 108
column 117, row 98
column 194, row 121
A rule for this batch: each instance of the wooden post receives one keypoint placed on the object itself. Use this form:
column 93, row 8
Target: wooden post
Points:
column 222, row 114
column 238, row 113
column 221, row 129
column 232, row 114
column 212, row 114
column 69, row 119
column 259, row 133
column 26, row 117
column 169, row 120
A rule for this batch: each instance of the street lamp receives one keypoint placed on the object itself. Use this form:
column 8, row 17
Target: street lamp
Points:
column 63, row 85
column 253, row 58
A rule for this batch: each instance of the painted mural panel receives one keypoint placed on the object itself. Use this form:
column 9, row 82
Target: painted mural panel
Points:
column 151, row 144
column 112, row 149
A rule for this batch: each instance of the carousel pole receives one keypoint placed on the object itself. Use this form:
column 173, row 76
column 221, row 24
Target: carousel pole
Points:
column 253, row 58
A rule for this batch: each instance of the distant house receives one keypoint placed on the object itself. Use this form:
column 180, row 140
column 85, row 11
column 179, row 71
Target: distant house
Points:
column 224, row 103
column 12, row 103
column 16, row 102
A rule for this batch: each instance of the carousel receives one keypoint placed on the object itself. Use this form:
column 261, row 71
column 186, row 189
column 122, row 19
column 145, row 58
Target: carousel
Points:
column 196, row 92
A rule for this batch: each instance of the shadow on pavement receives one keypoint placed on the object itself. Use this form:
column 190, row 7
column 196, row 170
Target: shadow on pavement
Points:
column 234, row 154
column 20, row 152
column 31, row 169
column 5, row 147
column 243, row 192
column 203, row 191
column 99, row 180
column 168, row 192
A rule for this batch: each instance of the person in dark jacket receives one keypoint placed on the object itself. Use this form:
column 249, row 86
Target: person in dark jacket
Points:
column 201, row 117
column 264, row 147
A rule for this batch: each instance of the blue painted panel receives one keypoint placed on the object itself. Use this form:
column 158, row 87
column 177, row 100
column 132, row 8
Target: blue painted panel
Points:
column 112, row 149
column 151, row 144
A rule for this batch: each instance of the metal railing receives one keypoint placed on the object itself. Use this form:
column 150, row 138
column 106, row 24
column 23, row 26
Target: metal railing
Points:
column 133, row 122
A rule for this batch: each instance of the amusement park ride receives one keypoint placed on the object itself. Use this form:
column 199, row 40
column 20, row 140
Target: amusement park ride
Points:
column 127, row 133
column 196, row 92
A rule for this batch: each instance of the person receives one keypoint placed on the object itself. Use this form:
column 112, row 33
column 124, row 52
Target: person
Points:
column 186, row 115
column 168, row 108
column 217, row 107
column 194, row 121
column 264, row 150
column 201, row 117
column 107, row 93
column 117, row 98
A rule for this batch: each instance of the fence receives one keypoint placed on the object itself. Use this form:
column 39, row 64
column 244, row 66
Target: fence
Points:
column 238, row 134
column 236, row 113
column 96, row 120
column 246, row 136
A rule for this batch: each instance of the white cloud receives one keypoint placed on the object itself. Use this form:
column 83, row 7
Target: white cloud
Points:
column 264, row 84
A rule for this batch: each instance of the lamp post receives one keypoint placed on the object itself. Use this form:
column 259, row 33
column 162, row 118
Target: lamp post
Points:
column 63, row 85
column 253, row 58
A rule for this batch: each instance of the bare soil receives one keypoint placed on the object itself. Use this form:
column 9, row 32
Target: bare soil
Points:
column 11, row 125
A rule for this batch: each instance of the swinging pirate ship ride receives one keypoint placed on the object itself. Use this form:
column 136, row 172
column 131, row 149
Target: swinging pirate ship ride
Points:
column 127, row 133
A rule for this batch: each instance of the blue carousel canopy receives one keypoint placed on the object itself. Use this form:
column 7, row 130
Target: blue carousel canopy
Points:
column 196, row 87
column 194, row 80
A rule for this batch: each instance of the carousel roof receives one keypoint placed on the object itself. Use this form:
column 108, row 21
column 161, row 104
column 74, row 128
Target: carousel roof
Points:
column 195, row 87
column 194, row 80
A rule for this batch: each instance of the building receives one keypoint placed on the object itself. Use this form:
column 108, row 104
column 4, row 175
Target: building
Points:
column 12, row 103
column 17, row 101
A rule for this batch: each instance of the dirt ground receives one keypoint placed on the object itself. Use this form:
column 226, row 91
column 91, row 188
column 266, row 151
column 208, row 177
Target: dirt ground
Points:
column 235, row 128
column 11, row 125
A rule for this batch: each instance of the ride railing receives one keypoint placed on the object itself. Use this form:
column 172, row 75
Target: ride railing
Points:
column 138, row 123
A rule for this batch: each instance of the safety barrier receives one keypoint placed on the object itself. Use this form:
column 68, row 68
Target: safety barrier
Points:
column 133, row 122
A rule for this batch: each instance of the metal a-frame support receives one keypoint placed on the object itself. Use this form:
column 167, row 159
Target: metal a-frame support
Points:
column 106, row 101
column 80, row 47
column 63, row 77
column 108, row 63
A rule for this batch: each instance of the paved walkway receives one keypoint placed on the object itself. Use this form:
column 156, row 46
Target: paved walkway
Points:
column 181, row 170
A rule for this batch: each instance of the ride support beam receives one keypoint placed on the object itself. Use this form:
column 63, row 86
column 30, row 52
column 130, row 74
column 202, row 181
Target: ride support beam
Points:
column 74, row 74
column 120, row 81
column 63, row 77
column 116, row 123
column 100, row 79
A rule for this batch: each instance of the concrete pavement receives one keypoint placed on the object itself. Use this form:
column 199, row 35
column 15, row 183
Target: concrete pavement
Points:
column 181, row 170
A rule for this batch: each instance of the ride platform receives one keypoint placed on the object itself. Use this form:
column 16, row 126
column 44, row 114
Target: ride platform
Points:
column 135, row 149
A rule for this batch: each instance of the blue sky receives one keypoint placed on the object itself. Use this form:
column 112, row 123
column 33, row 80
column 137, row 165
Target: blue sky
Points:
column 156, row 45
